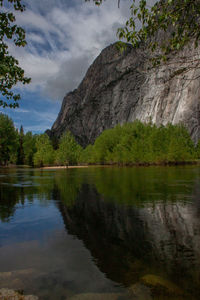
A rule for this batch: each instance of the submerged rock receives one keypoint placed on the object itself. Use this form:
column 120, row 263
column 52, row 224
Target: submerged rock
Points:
column 17, row 279
column 98, row 296
column 159, row 285
column 8, row 294
column 139, row 291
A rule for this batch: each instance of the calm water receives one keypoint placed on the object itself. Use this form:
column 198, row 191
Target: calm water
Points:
column 101, row 230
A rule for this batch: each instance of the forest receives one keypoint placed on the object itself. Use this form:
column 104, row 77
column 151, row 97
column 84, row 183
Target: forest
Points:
column 127, row 144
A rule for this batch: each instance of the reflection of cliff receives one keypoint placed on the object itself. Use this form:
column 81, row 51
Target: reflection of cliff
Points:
column 128, row 242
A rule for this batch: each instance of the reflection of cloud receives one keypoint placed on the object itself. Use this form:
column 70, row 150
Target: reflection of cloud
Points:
column 64, row 39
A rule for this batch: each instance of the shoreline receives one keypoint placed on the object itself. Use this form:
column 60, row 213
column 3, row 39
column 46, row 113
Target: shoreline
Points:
column 166, row 164
column 64, row 167
column 120, row 165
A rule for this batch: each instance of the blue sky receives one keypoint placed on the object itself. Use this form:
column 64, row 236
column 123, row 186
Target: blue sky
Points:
column 64, row 37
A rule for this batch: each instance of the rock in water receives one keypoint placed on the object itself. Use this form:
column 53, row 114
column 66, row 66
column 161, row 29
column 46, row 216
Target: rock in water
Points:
column 139, row 291
column 95, row 296
column 122, row 87
column 160, row 285
column 7, row 294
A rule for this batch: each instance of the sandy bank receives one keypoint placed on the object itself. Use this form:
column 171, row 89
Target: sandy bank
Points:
column 65, row 167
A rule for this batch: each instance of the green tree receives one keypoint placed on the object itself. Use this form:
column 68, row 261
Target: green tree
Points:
column 141, row 144
column 10, row 71
column 29, row 148
column 180, row 145
column 69, row 150
column 45, row 154
column 87, row 155
column 198, row 150
column 179, row 18
column 8, row 141
column 20, row 154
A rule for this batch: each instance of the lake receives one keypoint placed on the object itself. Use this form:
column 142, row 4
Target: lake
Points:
column 101, row 233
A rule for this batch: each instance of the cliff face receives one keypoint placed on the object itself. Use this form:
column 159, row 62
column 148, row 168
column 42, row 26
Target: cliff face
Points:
column 122, row 87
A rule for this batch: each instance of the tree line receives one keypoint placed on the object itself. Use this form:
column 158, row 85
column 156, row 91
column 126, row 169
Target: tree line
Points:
column 131, row 143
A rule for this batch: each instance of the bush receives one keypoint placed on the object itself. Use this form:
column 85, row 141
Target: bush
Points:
column 45, row 155
column 69, row 150
column 141, row 143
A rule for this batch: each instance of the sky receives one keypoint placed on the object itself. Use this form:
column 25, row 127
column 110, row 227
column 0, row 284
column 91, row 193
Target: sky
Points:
column 64, row 37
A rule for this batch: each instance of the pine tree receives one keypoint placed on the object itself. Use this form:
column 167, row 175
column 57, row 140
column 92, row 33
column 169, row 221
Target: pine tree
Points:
column 20, row 153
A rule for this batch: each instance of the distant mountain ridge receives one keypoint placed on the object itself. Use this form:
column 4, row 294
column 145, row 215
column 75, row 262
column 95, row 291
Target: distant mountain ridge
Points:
column 122, row 87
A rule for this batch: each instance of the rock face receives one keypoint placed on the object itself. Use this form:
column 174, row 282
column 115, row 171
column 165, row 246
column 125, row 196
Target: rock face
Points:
column 122, row 87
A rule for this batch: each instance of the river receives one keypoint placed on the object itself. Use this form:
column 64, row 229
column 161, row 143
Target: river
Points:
column 113, row 233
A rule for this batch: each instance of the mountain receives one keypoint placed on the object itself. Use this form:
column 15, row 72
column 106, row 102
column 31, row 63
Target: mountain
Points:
column 122, row 87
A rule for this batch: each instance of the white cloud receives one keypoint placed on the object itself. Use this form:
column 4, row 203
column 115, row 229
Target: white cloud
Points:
column 64, row 40
column 32, row 37
column 20, row 110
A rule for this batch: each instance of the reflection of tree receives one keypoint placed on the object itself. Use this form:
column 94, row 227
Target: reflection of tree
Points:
column 43, row 184
column 131, row 219
column 137, row 186
column 19, row 186
column 133, row 222
column 9, row 197
column 101, row 226
column 68, row 183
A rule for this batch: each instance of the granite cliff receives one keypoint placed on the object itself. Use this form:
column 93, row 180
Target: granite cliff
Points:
column 122, row 87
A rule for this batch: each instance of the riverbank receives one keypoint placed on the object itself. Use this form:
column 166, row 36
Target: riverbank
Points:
column 65, row 167
column 139, row 164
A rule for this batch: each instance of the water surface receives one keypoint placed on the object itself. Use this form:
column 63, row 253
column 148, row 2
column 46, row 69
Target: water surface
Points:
column 100, row 230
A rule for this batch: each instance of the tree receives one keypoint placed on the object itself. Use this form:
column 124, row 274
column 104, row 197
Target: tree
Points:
column 20, row 152
column 29, row 148
column 8, row 140
column 180, row 19
column 45, row 154
column 69, row 150
column 10, row 71
column 141, row 143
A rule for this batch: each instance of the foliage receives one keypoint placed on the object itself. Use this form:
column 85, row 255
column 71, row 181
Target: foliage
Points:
column 141, row 143
column 10, row 71
column 45, row 154
column 198, row 150
column 87, row 155
column 8, row 140
column 180, row 19
column 69, row 150
column 131, row 143
column 29, row 148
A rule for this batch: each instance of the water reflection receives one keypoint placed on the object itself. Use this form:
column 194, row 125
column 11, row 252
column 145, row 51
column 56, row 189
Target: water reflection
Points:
column 133, row 221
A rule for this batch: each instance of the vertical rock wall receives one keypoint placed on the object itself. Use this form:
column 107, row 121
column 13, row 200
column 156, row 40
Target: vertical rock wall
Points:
column 122, row 87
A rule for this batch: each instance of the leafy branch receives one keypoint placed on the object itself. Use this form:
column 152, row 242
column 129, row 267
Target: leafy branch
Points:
column 10, row 71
